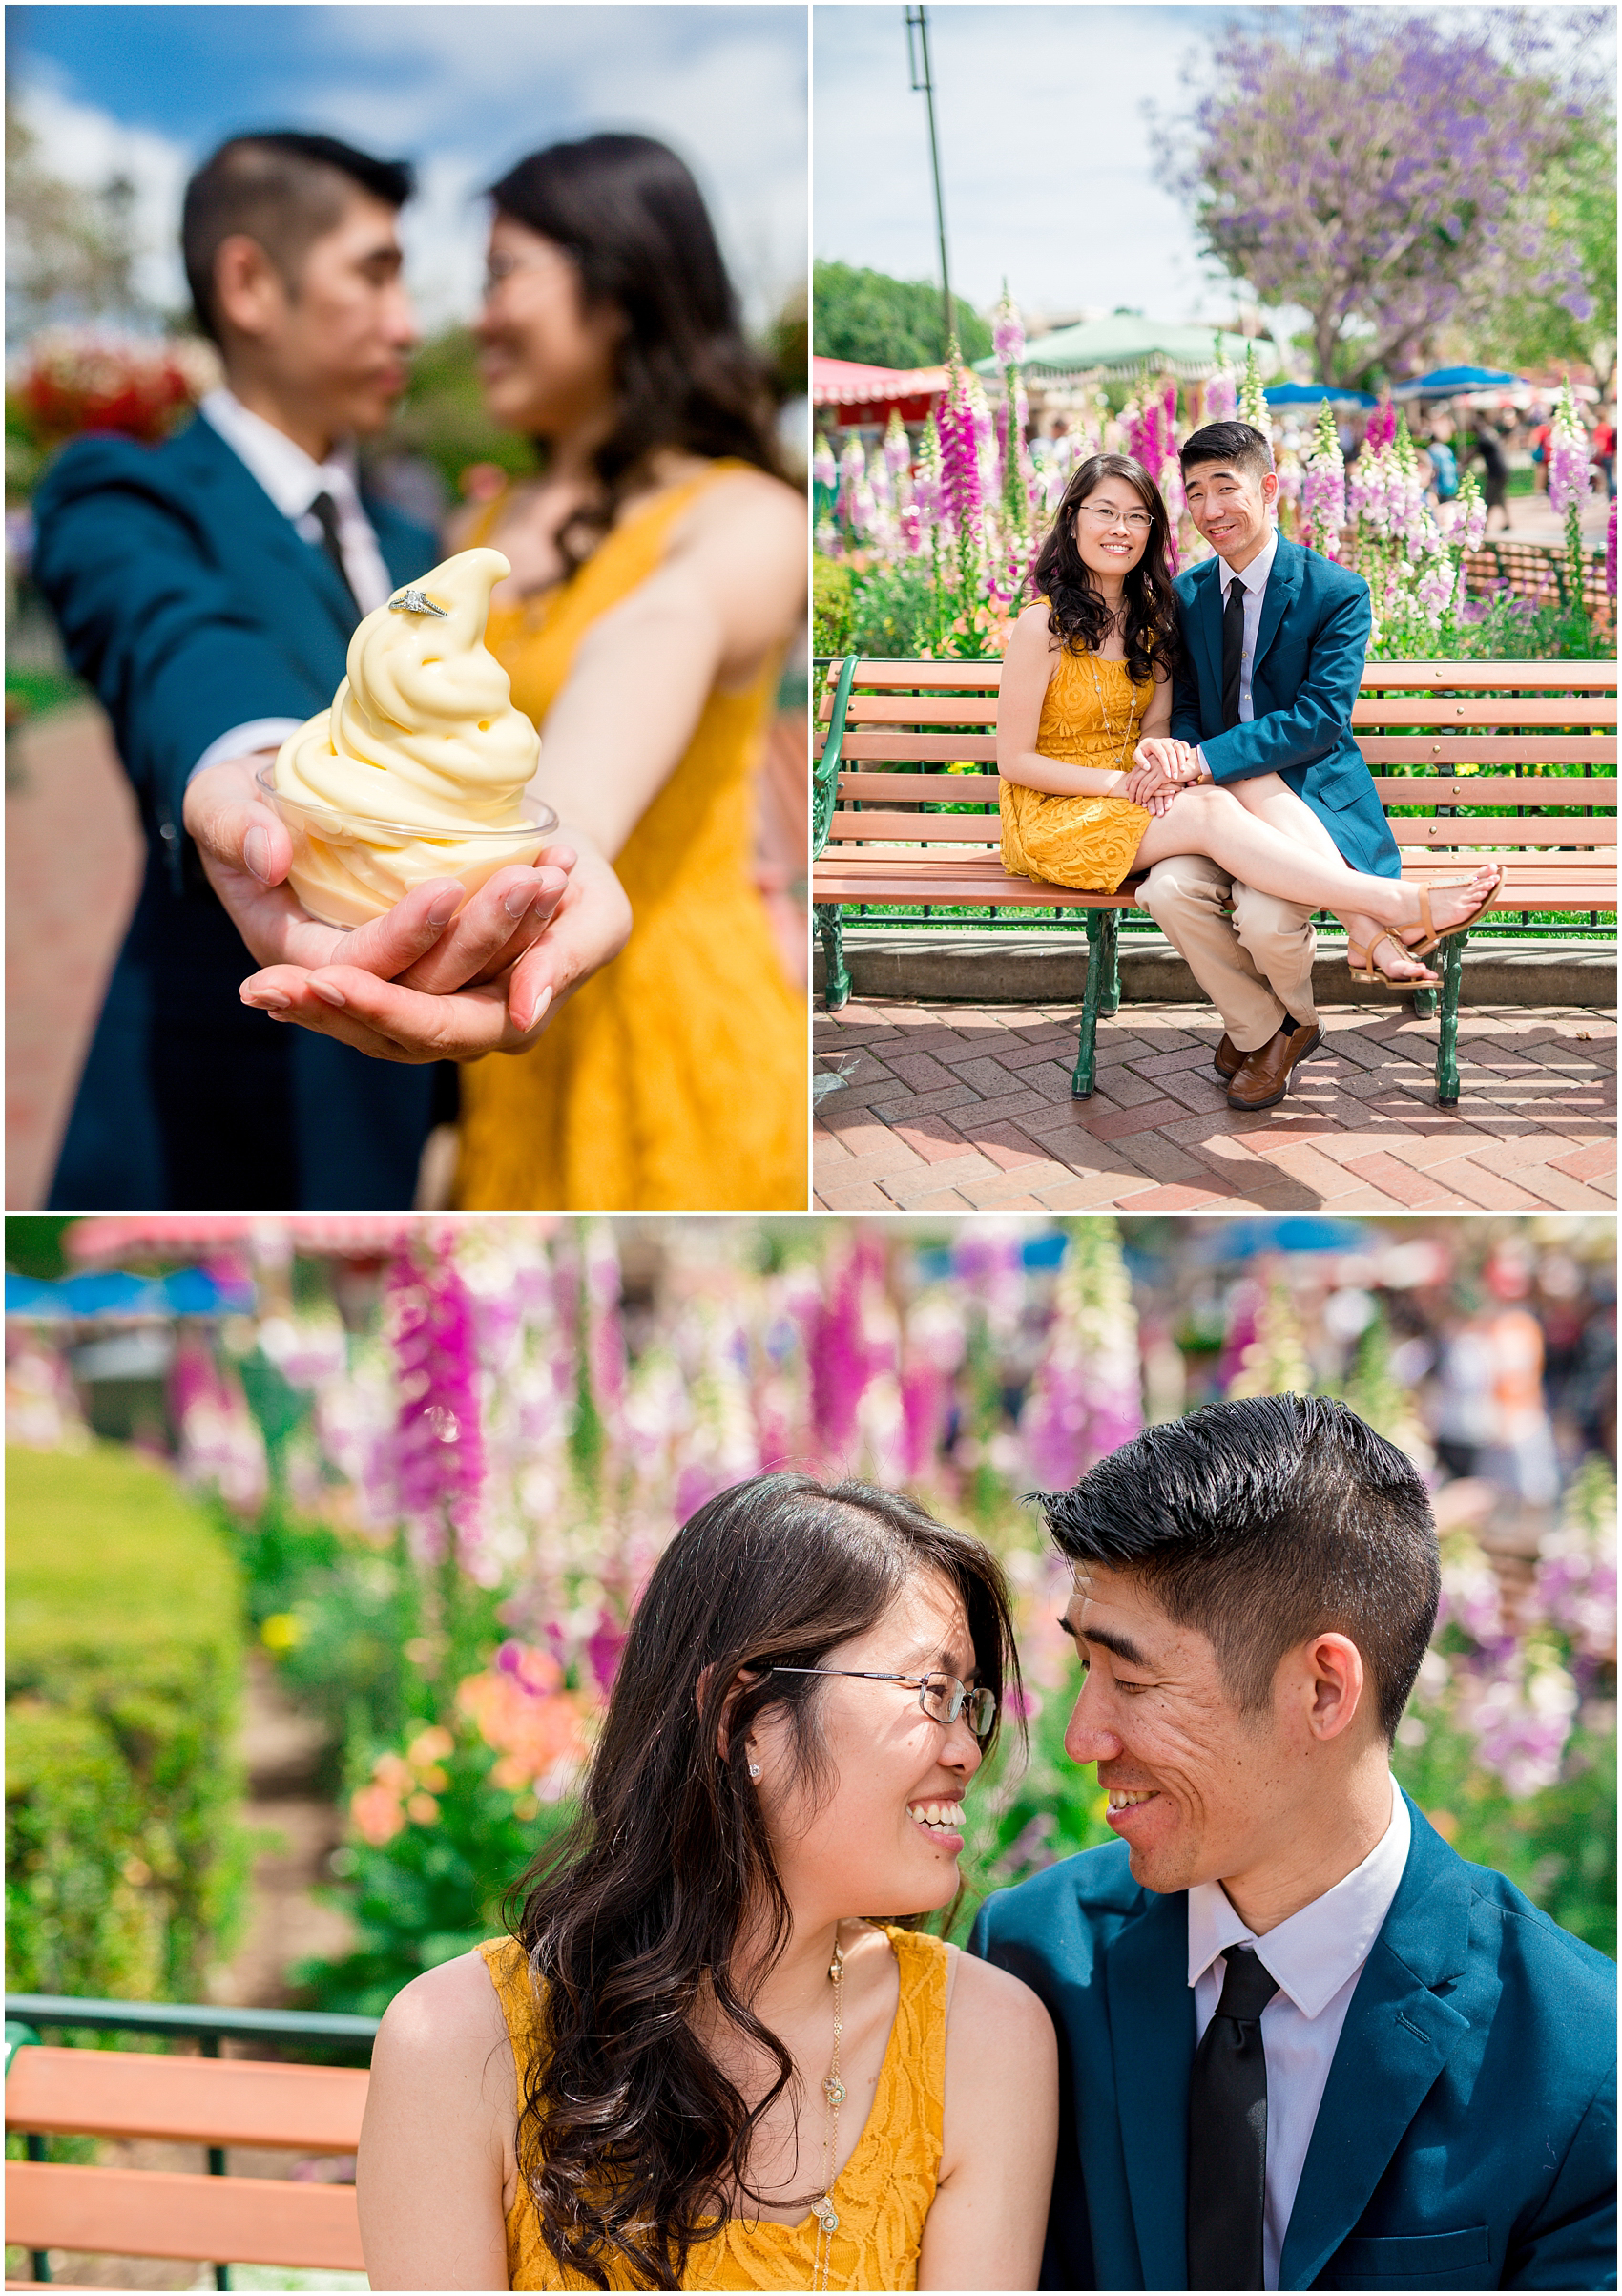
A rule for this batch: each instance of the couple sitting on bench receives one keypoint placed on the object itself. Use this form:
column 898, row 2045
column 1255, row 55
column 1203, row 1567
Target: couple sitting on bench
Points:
column 1200, row 730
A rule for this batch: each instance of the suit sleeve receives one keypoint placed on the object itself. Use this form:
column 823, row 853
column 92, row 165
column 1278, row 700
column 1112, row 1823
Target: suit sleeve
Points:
column 149, row 619
column 1571, row 2243
column 1321, row 711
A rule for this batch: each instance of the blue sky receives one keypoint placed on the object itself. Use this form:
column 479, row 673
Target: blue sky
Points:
column 1053, row 172
column 463, row 88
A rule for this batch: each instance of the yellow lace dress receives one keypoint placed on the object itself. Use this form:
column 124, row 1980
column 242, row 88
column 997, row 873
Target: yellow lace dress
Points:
column 1087, row 842
column 675, row 1079
column 882, row 2195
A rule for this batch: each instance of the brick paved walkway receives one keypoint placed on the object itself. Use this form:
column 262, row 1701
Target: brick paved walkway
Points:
column 948, row 1109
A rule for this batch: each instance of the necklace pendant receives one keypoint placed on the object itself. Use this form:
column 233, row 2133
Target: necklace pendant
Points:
column 825, row 2214
column 834, row 2091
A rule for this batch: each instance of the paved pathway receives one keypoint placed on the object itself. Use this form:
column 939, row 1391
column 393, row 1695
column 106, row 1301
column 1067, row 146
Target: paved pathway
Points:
column 951, row 1109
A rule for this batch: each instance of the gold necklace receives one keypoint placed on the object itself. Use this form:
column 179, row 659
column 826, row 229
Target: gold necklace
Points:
column 834, row 2092
column 1103, row 711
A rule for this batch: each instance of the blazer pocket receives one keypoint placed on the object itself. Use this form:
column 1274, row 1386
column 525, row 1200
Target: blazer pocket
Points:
column 1338, row 786
column 1425, row 2259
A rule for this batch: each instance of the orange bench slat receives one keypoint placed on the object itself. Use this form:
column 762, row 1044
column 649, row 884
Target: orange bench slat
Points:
column 150, row 2212
column 191, row 2100
column 1539, row 790
column 1488, row 709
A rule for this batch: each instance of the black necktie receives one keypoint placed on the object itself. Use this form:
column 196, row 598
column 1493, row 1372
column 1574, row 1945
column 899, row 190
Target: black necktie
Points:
column 324, row 511
column 1227, row 2133
column 1233, row 651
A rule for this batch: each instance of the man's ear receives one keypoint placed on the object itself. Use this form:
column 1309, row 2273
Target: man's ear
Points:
column 249, row 292
column 1336, row 1680
column 1270, row 485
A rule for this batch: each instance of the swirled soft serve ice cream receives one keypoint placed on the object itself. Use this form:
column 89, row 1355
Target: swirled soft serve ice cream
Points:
column 421, row 757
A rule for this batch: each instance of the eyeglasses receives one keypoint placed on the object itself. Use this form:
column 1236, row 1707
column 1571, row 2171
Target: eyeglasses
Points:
column 502, row 267
column 942, row 1696
column 1139, row 521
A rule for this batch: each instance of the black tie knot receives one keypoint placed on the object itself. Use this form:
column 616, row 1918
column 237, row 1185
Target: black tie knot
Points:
column 1236, row 593
column 1247, row 1985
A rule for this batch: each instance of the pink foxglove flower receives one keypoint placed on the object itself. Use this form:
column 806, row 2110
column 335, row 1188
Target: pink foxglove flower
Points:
column 1610, row 551
column 439, row 1436
column 824, row 468
column 1323, row 488
column 1221, row 398
column 898, row 447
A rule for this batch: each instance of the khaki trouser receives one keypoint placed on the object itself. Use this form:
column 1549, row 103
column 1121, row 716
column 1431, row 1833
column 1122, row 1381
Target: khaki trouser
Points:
column 1256, row 964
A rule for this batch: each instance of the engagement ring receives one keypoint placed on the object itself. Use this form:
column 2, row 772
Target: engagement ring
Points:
column 412, row 601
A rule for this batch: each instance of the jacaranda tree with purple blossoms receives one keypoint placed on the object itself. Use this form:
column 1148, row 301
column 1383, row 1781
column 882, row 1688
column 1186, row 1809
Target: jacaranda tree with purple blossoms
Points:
column 1375, row 169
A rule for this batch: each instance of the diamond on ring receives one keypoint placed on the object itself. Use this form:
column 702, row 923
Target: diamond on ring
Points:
column 412, row 601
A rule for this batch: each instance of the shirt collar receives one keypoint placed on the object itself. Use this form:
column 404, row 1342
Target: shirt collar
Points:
column 1254, row 576
column 288, row 475
column 1315, row 1952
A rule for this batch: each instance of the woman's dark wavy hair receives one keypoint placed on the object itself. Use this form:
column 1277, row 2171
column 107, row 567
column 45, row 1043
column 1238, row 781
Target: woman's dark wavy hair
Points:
column 631, row 2138
column 632, row 217
column 1076, row 612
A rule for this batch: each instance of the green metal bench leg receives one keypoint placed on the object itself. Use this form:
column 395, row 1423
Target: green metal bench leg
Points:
column 1425, row 1003
column 1101, row 976
column 836, row 979
column 1452, row 954
column 1110, row 1003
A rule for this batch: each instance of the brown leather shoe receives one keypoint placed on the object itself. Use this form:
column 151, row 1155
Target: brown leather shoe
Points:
column 1263, row 1078
column 1227, row 1059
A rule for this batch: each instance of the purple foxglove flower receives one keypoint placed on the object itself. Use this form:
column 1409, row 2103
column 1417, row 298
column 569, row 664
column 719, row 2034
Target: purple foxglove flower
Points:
column 1221, row 399
column 439, row 1440
column 1568, row 456
column 1610, row 551
column 1087, row 1397
column 960, row 490
column 824, row 468
column 898, row 447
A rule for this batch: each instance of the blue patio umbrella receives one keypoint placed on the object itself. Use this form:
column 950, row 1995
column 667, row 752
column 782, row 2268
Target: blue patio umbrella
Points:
column 115, row 1293
column 1312, row 394
column 1444, row 382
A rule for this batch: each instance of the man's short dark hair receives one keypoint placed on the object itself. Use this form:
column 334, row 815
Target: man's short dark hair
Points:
column 1241, row 446
column 283, row 190
column 1262, row 1523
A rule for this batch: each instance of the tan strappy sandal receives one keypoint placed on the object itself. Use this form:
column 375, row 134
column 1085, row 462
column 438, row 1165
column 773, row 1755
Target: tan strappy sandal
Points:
column 1362, row 966
column 1424, row 948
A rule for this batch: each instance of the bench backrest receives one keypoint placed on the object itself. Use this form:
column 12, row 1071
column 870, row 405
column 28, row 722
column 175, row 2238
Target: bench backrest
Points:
column 1466, row 734
column 305, row 2109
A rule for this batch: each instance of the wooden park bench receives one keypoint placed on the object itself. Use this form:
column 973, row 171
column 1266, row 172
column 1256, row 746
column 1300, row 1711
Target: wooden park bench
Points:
column 208, row 2100
column 896, row 828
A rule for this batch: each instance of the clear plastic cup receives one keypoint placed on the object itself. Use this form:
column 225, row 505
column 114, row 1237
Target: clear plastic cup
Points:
column 348, row 868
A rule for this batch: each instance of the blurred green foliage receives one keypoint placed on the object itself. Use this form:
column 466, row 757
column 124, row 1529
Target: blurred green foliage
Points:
column 125, row 1867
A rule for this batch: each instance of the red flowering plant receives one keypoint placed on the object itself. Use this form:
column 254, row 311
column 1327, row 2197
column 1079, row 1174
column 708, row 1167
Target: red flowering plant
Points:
column 71, row 380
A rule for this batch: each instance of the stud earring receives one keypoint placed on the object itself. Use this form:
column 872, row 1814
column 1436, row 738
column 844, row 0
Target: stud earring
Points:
column 754, row 1770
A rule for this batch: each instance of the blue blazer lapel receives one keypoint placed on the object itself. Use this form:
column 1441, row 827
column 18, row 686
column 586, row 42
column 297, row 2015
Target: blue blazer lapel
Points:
column 1282, row 584
column 1152, row 2040
column 1205, row 621
column 1396, row 2038
column 236, row 500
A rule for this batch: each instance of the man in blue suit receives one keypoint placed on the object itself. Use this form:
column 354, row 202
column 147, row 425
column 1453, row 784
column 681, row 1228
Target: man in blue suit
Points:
column 1303, row 2044
column 1274, row 643
column 208, row 590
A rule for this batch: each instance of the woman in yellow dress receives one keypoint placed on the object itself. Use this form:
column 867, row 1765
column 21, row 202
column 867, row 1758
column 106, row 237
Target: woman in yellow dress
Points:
column 1087, row 677
column 696, row 2064
column 658, row 575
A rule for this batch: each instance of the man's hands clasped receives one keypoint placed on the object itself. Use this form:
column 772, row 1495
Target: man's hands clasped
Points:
column 423, row 982
column 1161, row 769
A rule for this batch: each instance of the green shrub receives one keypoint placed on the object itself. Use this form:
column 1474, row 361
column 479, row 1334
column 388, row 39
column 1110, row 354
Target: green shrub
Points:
column 830, row 606
column 124, row 1869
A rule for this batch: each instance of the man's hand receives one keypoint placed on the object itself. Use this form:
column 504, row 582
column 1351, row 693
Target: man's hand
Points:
column 391, row 1020
column 1161, row 767
column 246, row 853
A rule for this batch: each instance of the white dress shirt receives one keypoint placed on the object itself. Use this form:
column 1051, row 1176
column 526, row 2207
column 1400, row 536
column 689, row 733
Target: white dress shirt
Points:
column 1317, row 1957
column 293, row 479
column 1254, row 576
